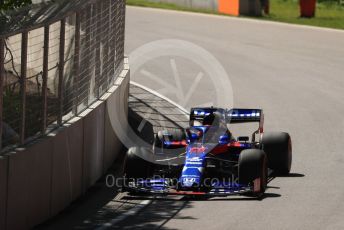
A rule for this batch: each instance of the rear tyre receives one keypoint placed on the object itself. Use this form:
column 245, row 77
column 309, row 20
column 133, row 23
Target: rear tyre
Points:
column 278, row 148
column 169, row 135
column 253, row 169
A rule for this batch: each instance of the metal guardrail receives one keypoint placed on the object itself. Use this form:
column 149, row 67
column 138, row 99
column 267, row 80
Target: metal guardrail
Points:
column 55, row 62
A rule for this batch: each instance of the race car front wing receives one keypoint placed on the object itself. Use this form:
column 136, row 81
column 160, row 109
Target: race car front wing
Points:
column 163, row 188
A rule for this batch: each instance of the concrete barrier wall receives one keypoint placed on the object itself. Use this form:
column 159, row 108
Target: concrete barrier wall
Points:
column 94, row 143
column 40, row 180
column 116, row 124
column 3, row 190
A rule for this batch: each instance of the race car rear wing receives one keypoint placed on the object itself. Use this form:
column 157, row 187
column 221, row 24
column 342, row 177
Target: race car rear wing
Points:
column 198, row 114
column 231, row 116
column 244, row 115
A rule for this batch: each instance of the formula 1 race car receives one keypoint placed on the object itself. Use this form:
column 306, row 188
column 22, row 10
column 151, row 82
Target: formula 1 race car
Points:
column 206, row 159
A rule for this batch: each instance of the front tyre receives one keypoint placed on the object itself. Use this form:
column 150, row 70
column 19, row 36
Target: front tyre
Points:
column 136, row 167
column 253, row 169
column 278, row 148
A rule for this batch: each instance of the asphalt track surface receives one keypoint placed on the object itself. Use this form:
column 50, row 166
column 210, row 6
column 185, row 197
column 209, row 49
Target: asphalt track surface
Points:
column 296, row 74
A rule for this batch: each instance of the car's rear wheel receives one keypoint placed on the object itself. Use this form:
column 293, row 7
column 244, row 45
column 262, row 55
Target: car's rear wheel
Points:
column 169, row 135
column 253, row 170
column 278, row 148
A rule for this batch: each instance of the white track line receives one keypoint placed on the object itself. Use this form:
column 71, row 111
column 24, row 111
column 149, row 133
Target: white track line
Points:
column 181, row 108
column 252, row 20
column 129, row 213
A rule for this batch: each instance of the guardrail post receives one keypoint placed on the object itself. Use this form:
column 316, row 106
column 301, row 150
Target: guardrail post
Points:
column 2, row 75
column 23, row 72
column 61, row 69
column 98, row 41
column 112, row 52
column 122, row 33
column 105, row 43
column 76, row 64
column 88, row 41
column 45, row 77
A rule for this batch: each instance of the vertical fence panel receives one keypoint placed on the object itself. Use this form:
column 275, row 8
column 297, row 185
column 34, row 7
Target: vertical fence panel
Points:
column 110, row 71
column 45, row 77
column 69, row 69
column 34, row 83
column 102, row 39
column 2, row 75
column 61, row 69
column 11, row 110
column 76, row 64
column 87, row 77
column 85, row 52
column 98, row 41
column 105, row 45
column 53, row 72
column 23, row 85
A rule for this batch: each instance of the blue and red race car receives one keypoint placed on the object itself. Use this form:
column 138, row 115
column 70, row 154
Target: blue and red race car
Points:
column 206, row 159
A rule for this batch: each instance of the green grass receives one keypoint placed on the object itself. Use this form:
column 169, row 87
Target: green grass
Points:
column 330, row 15
column 327, row 15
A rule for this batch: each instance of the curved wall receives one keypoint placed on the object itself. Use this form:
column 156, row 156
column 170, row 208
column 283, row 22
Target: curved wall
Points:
column 40, row 180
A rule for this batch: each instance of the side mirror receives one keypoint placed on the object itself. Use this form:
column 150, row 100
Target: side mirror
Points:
column 243, row 139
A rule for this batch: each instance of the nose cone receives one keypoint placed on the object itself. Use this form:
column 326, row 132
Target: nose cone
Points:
column 191, row 177
column 192, row 172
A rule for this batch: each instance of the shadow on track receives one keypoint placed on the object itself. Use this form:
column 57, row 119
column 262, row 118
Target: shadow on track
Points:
column 203, row 198
column 164, row 209
column 152, row 216
column 291, row 175
column 96, row 206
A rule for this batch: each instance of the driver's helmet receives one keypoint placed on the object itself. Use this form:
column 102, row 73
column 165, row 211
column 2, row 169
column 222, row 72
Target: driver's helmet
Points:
column 218, row 126
column 214, row 119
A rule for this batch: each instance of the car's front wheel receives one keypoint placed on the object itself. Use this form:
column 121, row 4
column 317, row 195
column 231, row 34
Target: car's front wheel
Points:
column 135, row 167
column 253, row 169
